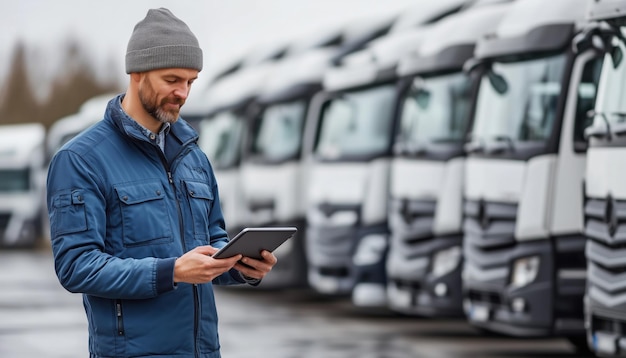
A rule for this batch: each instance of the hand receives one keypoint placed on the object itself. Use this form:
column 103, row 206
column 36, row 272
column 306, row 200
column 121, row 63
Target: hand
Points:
column 197, row 265
column 257, row 268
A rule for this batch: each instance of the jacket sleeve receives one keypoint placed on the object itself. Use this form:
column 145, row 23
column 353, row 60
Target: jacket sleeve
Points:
column 77, row 208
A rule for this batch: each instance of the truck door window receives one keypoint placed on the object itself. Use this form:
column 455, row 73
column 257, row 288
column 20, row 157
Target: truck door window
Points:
column 356, row 123
column 220, row 139
column 610, row 105
column 278, row 135
column 14, row 180
column 435, row 109
column 526, row 110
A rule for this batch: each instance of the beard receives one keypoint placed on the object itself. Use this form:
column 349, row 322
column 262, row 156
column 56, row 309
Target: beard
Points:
column 155, row 107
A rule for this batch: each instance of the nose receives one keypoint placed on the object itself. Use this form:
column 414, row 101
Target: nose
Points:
column 182, row 90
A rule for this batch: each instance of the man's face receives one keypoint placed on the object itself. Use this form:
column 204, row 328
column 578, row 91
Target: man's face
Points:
column 163, row 92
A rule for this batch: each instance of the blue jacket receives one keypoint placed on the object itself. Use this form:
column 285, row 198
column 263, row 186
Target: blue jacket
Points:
column 121, row 212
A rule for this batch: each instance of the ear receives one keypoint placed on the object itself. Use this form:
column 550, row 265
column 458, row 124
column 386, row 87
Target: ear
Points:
column 135, row 77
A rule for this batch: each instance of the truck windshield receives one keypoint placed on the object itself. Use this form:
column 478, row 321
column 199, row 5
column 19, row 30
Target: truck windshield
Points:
column 14, row 180
column 517, row 101
column 436, row 109
column 220, row 139
column 611, row 103
column 278, row 135
column 356, row 123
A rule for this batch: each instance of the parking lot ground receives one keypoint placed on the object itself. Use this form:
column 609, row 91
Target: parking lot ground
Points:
column 38, row 318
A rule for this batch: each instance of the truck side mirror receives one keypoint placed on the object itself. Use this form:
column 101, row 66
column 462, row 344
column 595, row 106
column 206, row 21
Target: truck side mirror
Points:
column 471, row 65
column 498, row 82
column 617, row 55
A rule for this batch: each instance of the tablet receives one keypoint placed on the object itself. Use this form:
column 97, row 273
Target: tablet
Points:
column 252, row 240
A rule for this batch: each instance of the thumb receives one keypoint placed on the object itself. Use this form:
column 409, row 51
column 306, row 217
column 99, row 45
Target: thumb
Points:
column 205, row 250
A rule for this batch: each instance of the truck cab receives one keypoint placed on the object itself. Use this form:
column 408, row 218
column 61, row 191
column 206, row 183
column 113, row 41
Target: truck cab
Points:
column 605, row 186
column 524, row 266
column 272, row 173
column 22, row 183
column 350, row 131
column 425, row 197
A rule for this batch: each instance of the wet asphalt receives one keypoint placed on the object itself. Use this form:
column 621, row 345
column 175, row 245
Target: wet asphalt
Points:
column 38, row 318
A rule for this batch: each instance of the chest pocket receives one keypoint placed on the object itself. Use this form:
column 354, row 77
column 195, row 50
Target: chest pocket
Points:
column 200, row 202
column 145, row 219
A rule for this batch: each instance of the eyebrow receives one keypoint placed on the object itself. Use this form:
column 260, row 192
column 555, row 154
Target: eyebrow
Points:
column 172, row 75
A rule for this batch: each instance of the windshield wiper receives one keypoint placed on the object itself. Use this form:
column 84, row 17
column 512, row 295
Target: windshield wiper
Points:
column 619, row 128
column 474, row 146
column 502, row 143
column 410, row 148
column 597, row 131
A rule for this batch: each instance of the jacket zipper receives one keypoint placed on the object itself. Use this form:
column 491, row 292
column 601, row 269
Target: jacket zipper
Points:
column 118, row 315
column 196, row 304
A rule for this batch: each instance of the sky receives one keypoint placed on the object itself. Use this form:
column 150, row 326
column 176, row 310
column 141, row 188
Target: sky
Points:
column 226, row 29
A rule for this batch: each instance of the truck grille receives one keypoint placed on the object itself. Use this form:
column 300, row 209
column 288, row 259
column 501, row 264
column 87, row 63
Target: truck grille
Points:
column 412, row 220
column 489, row 225
column 488, row 238
column 605, row 228
column 605, row 221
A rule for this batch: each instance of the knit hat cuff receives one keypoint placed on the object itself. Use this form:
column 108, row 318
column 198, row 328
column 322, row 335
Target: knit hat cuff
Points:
column 172, row 56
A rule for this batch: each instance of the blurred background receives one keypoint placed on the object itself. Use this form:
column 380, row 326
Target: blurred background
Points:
column 430, row 152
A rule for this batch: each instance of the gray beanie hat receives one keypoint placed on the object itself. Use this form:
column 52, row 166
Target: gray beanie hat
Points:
column 162, row 40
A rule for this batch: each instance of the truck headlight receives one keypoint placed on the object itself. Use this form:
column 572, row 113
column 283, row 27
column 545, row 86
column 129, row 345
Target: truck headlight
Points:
column 525, row 271
column 370, row 250
column 445, row 261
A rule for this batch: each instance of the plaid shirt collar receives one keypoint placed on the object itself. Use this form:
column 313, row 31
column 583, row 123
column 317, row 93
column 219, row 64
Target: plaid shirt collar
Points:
column 159, row 138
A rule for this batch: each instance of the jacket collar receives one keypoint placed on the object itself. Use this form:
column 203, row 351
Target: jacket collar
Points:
column 181, row 130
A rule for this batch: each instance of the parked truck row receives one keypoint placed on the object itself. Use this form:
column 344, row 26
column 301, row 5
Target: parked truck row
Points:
column 442, row 169
column 461, row 159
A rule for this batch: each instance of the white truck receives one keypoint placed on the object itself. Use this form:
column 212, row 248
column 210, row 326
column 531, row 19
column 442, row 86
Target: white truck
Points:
column 272, row 152
column 426, row 203
column 22, row 184
column 272, row 173
column 605, row 185
column 350, row 130
column 524, row 265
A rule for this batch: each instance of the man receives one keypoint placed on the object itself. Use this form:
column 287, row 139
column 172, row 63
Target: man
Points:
column 135, row 213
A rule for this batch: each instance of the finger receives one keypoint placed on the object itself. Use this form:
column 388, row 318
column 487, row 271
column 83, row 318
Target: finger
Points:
column 269, row 257
column 250, row 262
column 205, row 250
column 246, row 270
column 257, row 265
column 235, row 259
column 229, row 261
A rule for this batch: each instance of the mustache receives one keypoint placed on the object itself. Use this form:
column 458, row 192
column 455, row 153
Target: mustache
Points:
column 175, row 100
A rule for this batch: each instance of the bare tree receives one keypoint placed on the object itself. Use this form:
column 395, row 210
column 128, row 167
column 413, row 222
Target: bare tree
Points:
column 74, row 83
column 17, row 100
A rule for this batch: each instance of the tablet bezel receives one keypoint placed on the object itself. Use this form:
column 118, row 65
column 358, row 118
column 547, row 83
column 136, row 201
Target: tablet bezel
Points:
column 252, row 240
